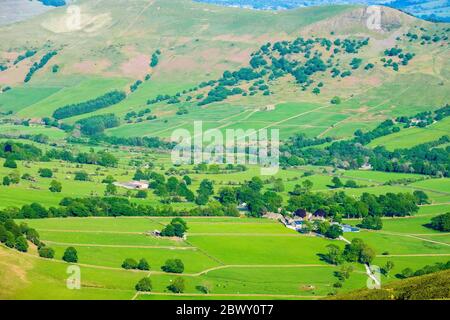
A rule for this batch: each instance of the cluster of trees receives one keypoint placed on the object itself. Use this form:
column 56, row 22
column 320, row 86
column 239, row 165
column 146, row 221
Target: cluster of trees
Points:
column 176, row 228
column 173, row 266
column 155, row 58
column 339, row 204
column 16, row 236
column 97, row 124
column 107, row 100
column 133, row 114
column 101, row 158
column 28, row 54
column 385, row 128
column 171, row 190
column 131, row 264
column 38, row 65
column 426, row 158
column 439, row 266
column 298, row 58
column 220, row 93
column 251, row 193
column 424, row 119
column 356, row 251
column 111, row 207
column 331, row 231
column 148, row 142
column 337, row 183
column 396, row 52
column 19, row 151
column 441, row 222
column 135, row 85
column 215, row 168
column 371, row 222
column 12, row 178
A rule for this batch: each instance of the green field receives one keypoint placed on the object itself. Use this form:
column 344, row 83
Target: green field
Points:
column 411, row 137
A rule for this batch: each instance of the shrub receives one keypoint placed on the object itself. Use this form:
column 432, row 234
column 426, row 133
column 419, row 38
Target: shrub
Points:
column 46, row 252
column 129, row 264
column 177, row 286
column 55, row 186
column 10, row 163
column 45, row 173
column 81, row 176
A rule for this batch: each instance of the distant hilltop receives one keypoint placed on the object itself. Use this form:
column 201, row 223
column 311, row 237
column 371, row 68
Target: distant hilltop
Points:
column 432, row 10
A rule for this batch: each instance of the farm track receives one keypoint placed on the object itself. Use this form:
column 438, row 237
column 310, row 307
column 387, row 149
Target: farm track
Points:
column 119, row 246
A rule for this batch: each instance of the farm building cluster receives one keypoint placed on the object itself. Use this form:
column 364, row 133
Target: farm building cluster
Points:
column 300, row 217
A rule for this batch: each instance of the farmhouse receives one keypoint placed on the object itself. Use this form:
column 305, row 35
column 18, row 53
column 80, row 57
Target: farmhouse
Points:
column 133, row 185
column 319, row 215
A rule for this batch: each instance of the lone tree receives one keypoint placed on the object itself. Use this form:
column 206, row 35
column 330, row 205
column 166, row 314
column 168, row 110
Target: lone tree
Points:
column 144, row 285
column 70, row 255
column 177, row 286
column 173, row 266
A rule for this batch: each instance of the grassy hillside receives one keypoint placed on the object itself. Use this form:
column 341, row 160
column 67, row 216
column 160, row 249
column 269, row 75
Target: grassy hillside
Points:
column 198, row 42
column 432, row 286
